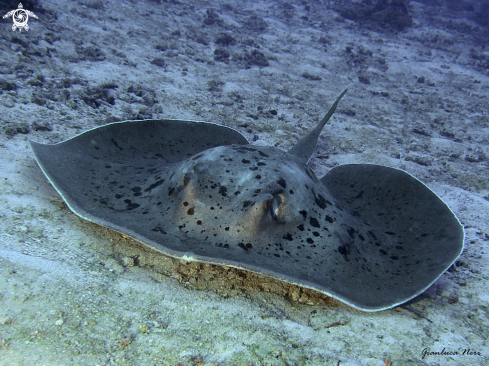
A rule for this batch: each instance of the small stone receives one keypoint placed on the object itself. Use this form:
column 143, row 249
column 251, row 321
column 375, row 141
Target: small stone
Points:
column 128, row 261
column 294, row 294
column 41, row 126
column 363, row 79
column 113, row 266
column 453, row 299
column 22, row 228
column 12, row 129
column 303, row 298
column 59, row 322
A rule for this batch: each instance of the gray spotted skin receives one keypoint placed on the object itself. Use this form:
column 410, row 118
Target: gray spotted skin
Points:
column 252, row 204
column 370, row 236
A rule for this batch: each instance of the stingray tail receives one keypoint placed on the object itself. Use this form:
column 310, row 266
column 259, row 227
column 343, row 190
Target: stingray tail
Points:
column 306, row 146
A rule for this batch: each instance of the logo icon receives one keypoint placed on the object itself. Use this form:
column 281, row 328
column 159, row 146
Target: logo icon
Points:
column 20, row 18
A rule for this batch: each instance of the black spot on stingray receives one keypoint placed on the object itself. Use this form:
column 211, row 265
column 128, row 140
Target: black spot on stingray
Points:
column 261, row 164
column 136, row 189
column 288, row 237
column 154, row 185
column 131, row 205
column 390, row 233
column 226, row 228
column 253, row 168
column 245, row 246
column 199, row 222
column 258, row 176
column 223, row 191
column 399, row 247
column 245, row 161
column 310, row 241
column 314, row 222
column 394, row 257
column 237, row 192
column 320, row 201
column 104, row 201
column 277, row 255
column 382, row 251
column 344, row 250
column 190, row 211
column 303, row 213
column 370, row 232
column 247, row 203
column 351, row 232
column 185, row 203
column 329, row 219
column 159, row 229
column 282, row 182
column 355, row 213
column 116, row 144
column 263, row 154
column 257, row 190
column 118, row 196
column 361, row 237
column 301, row 227
column 315, row 233
column 108, row 166
column 359, row 195
column 291, row 191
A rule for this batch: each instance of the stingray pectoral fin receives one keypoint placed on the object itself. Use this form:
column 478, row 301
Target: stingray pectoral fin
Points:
column 109, row 174
column 63, row 170
column 306, row 146
column 406, row 236
column 167, row 140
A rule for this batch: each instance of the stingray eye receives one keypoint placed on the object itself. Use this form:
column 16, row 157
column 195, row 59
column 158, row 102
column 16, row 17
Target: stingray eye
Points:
column 274, row 205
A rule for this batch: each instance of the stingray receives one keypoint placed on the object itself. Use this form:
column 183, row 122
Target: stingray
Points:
column 370, row 236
